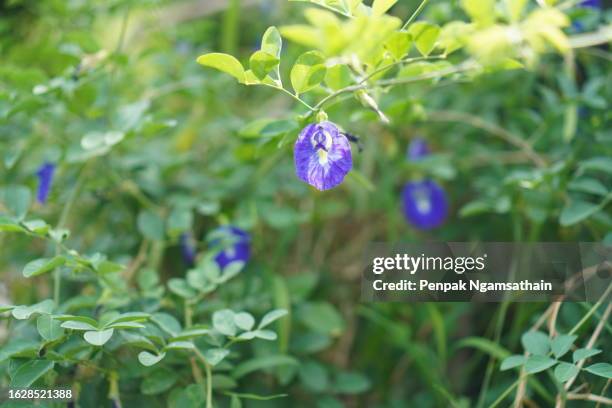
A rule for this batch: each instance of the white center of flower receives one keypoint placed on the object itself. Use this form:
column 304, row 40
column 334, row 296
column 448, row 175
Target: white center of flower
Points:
column 423, row 203
column 322, row 142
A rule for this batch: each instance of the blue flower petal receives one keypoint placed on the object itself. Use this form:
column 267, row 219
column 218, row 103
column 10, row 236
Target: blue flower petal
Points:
column 595, row 4
column 417, row 149
column 424, row 204
column 45, row 180
column 233, row 245
column 322, row 155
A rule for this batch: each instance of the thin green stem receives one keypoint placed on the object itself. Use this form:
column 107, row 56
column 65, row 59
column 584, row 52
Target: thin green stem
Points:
column 197, row 374
column 415, row 14
column 208, row 377
column 504, row 394
column 297, row 98
column 591, row 310
column 395, row 81
column 400, row 62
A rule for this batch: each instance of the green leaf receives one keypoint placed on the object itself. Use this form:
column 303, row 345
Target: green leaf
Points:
column 17, row 200
column 481, row 12
column 179, row 345
column 321, row 317
column 577, row 211
column 192, row 333
column 151, row 225
column 536, row 342
column 6, row 308
column 29, row 372
column 485, row 345
column 588, row 185
column 271, row 317
column 583, row 353
column 399, row 44
column 75, row 325
column 215, row 355
column 314, row 376
column 224, row 63
column 308, row 71
column 42, row 265
column 265, row 335
column 271, row 42
column 98, row 337
column 9, row 225
column 125, row 325
column 565, row 371
column 158, row 381
column 223, row 382
column 181, row 287
column 84, row 319
column 244, row 320
column 262, row 363
column 351, row 383
column 24, row 312
column 179, row 220
column 600, row 369
column 424, row 35
column 147, row 359
column 101, row 142
column 537, row 363
column 262, row 63
column 278, row 128
column 602, row 164
column 131, row 317
column 562, row 344
column 49, row 328
column 338, row 76
column 515, row 8
column 512, row 362
column 167, row 323
column 18, row 347
column 39, row 227
column 380, row 7
column 223, row 322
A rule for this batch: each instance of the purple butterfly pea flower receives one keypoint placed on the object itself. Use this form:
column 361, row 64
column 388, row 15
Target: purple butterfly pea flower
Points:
column 45, row 179
column 188, row 250
column 424, row 204
column 417, row 149
column 233, row 244
column 594, row 4
column 322, row 155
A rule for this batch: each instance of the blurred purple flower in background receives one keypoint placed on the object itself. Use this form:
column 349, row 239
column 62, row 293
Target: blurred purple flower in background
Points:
column 596, row 4
column 424, row 204
column 417, row 149
column 188, row 249
column 233, row 244
column 322, row 155
column 45, row 180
